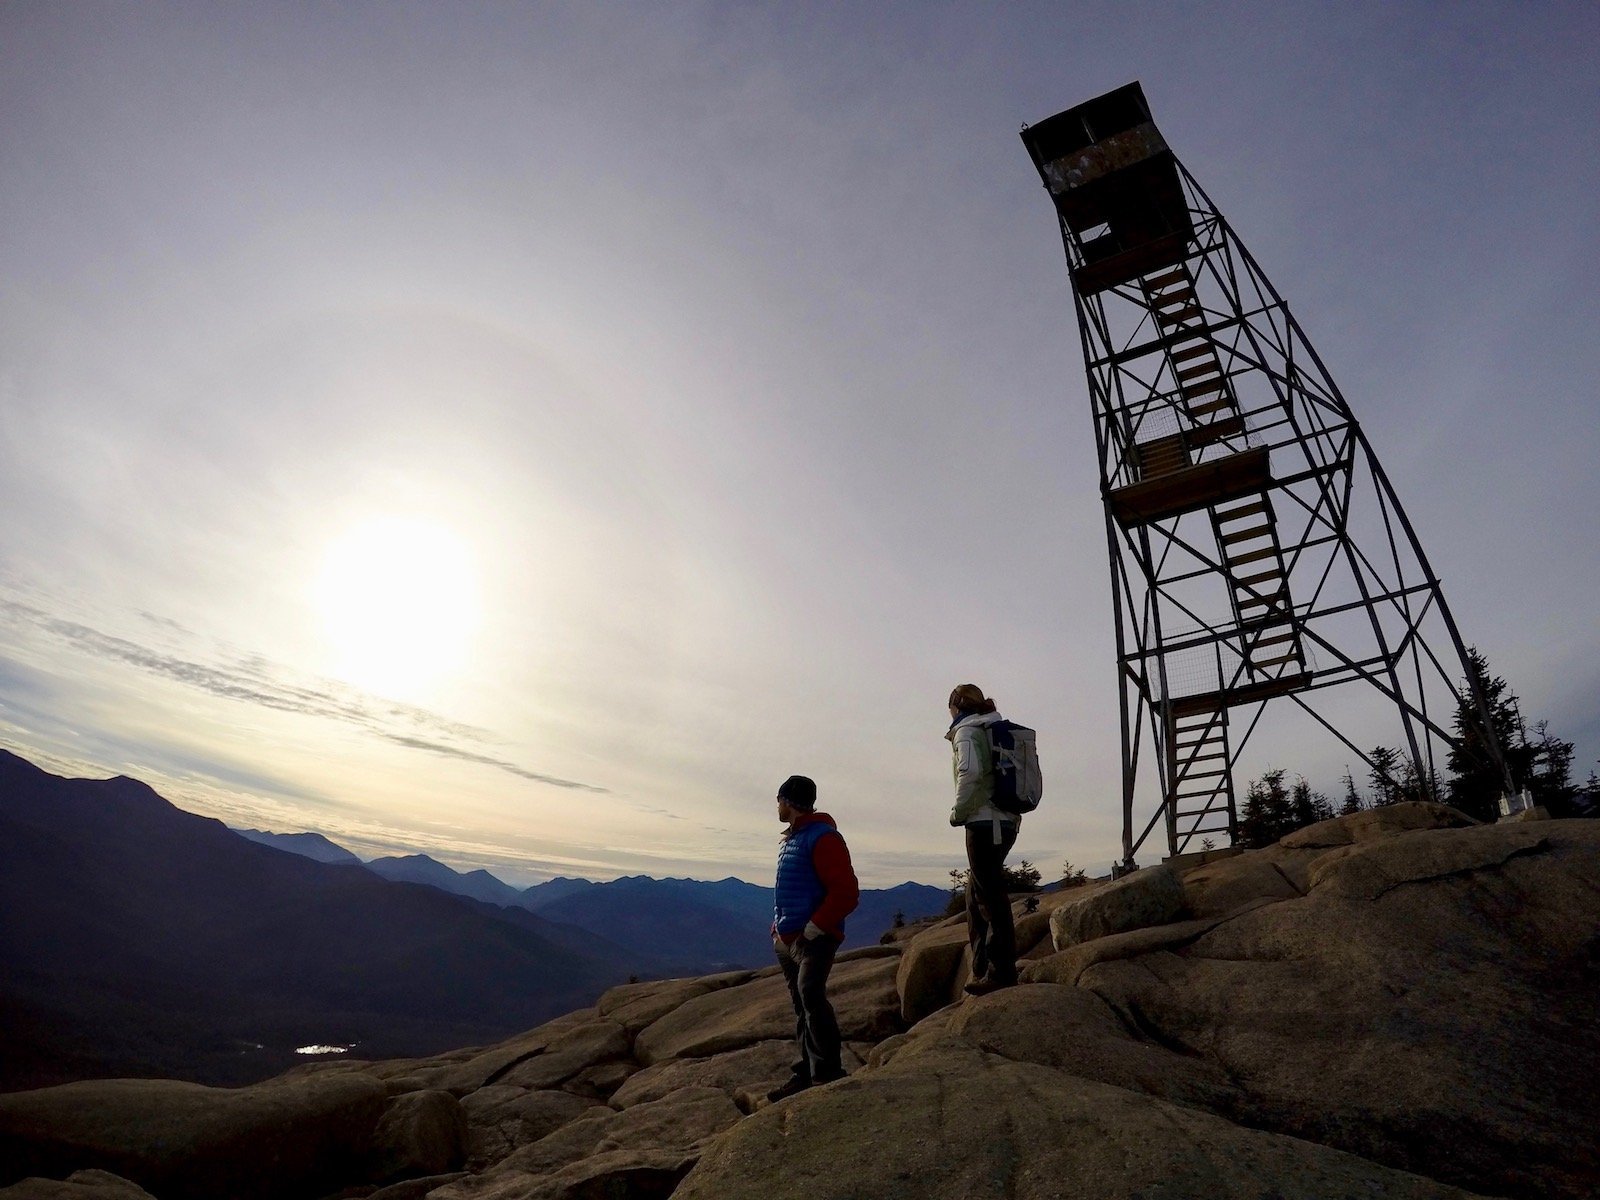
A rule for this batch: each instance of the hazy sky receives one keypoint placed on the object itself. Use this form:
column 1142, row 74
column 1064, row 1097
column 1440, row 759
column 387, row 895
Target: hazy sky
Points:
column 530, row 432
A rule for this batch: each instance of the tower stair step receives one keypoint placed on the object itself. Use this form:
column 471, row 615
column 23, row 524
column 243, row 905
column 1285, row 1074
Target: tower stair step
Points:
column 1272, row 600
column 1250, row 581
column 1288, row 635
column 1245, row 535
column 1250, row 556
column 1188, row 352
column 1214, row 431
column 1166, row 277
column 1200, row 410
column 1259, row 664
column 1170, row 296
column 1198, row 391
column 1250, row 508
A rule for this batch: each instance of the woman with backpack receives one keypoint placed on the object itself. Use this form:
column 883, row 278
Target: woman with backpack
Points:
column 990, row 834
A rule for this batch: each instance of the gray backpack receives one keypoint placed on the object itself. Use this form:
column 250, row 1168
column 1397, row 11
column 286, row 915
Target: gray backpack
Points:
column 1018, row 785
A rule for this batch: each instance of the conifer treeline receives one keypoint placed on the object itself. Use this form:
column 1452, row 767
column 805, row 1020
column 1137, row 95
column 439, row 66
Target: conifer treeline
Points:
column 1538, row 761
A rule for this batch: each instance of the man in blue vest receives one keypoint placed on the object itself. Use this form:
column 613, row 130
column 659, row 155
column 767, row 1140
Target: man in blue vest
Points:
column 816, row 889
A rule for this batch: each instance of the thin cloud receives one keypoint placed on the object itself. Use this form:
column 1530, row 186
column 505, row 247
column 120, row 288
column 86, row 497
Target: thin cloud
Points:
column 472, row 756
column 254, row 680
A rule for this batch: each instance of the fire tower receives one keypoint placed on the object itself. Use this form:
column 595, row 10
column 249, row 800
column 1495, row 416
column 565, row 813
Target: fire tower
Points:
column 1258, row 551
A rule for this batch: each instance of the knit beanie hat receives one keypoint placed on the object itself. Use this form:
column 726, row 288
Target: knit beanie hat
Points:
column 799, row 791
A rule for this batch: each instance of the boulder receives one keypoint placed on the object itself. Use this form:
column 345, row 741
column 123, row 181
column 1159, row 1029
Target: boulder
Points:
column 578, row 1049
column 932, row 968
column 1033, row 927
column 862, row 993
column 1153, row 896
column 636, row 1005
column 1431, row 1005
column 181, row 1140
column 1067, row 966
column 415, row 1189
column 641, row 1151
column 1374, row 823
column 1076, row 1032
column 954, row 1122
column 1224, row 885
column 501, row 1118
column 1367, row 872
column 80, row 1185
column 752, row 1069
column 861, row 953
column 487, row 1066
column 1537, row 813
column 1292, row 863
column 421, row 1133
column 599, row 1081
column 920, row 1034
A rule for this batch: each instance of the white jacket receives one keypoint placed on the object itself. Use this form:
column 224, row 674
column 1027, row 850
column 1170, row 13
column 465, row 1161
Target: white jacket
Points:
column 971, row 761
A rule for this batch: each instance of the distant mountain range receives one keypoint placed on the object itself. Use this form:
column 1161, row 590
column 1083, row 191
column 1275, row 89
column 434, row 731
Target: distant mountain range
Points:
column 138, row 939
column 307, row 845
column 694, row 925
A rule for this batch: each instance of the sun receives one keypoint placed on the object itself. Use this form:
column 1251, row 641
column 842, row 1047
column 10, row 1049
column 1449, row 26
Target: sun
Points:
column 399, row 604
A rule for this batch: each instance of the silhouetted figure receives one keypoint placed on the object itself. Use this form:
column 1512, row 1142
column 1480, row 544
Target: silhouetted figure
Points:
column 990, row 834
column 816, row 889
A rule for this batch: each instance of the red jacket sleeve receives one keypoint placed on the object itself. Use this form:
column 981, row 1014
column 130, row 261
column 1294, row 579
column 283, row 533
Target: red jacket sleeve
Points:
column 831, row 858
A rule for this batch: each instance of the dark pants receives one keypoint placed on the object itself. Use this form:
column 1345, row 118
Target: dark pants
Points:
column 989, row 926
column 816, row 1030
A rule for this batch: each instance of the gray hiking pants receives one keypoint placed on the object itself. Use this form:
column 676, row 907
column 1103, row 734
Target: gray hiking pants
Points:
column 816, row 1030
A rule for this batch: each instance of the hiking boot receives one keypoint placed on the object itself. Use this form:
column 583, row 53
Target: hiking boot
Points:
column 795, row 1085
column 982, row 987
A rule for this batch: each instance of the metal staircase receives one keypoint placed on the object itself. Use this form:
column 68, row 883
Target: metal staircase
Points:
column 1200, row 774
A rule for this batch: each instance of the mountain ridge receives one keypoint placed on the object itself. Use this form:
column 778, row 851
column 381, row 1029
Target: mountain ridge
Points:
column 693, row 924
column 141, row 939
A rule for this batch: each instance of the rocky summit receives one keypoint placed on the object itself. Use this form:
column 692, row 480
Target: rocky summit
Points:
column 1399, row 1003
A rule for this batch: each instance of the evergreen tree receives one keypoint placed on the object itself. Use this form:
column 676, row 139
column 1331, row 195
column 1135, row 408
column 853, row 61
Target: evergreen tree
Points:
column 1384, row 776
column 1024, row 877
column 1551, row 778
column 1352, row 798
column 1072, row 876
column 958, row 893
column 1475, row 783
column 1302, row 808
column 1416, row 786
column 1253, row 820
column 1268, row 813
column 1321, row 807
column 1587, row 802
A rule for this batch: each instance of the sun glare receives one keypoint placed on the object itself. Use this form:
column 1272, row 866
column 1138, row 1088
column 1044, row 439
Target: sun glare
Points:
column 398, row 599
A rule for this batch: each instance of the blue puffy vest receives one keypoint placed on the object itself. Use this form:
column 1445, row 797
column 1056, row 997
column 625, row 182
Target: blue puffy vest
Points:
column 799, row 889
